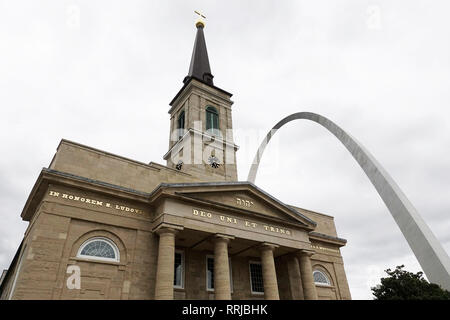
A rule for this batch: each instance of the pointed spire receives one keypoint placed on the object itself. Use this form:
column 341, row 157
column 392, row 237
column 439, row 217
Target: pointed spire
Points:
column 199, row 67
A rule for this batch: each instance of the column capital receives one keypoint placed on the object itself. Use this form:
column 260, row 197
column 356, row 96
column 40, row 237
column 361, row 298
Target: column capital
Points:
column 268, row 246
column 164, row 228
column 306, row 252
column 222, row 237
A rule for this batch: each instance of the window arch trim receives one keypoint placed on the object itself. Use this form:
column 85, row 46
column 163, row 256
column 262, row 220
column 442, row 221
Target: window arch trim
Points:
column 99, row 258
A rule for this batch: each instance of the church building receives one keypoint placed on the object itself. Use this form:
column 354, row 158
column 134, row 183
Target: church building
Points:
column 102, row 226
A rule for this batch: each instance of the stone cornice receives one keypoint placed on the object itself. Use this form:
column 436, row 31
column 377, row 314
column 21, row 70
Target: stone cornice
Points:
column 49, row 176
column 327, row 238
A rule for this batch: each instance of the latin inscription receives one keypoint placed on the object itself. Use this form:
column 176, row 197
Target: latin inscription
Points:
column 95, row 202
column 245, row 223
column 201, row 213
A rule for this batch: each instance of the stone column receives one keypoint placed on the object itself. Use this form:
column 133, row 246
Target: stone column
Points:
column 269, row 272
column 295, row 280
column 222, row 289
column 165, row 268
column 309, row 288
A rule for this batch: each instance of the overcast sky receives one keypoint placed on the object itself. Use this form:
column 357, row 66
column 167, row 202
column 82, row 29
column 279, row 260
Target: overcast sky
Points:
column 102, row 73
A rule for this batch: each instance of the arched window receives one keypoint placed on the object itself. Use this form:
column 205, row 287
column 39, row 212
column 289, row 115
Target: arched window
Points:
column 99, row 249
column 212, row 119
column 181, row 120
column 180, row 124
column 321, row 278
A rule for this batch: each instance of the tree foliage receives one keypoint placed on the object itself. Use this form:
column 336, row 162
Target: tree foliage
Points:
column 404, row 285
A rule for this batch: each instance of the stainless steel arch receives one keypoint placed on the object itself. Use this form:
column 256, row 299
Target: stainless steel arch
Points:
column 427, row 249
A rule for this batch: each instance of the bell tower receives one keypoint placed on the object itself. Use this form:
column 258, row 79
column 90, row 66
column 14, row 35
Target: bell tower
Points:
column 201, row 130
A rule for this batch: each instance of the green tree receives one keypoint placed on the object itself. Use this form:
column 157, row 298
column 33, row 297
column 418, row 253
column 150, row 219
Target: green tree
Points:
column 404, row 285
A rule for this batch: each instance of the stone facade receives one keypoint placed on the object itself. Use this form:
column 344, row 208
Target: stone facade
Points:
column 76, row 200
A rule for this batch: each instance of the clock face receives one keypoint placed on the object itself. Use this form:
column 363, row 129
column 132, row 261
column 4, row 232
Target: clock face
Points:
column 214, row 162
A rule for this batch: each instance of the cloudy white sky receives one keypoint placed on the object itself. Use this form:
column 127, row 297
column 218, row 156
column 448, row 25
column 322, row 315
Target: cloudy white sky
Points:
column 102, row 73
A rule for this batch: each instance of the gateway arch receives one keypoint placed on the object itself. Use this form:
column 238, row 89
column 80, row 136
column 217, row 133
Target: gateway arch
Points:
column 431, row 255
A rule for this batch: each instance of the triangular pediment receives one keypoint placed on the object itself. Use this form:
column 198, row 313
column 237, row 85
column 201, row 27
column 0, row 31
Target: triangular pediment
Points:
column 239, row 196
column 241, row 199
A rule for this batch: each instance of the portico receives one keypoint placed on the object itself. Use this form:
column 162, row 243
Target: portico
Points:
column 232, row 235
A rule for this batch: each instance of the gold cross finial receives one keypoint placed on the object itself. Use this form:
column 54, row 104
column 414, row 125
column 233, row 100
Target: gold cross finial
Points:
column 200, row 14
column 199, row 21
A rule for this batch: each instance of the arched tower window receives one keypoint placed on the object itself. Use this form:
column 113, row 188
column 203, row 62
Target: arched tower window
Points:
column 321, row 278
column 180, row 124
column 181, row 120
column 99, row 248
column 212, row 119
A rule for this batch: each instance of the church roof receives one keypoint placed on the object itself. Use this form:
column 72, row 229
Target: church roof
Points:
column 199, row 67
